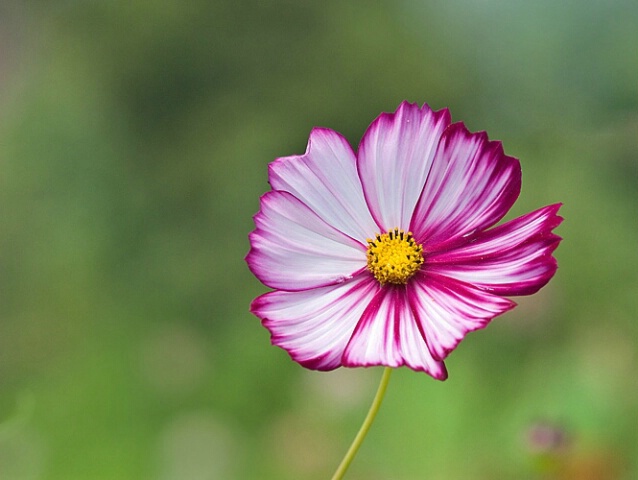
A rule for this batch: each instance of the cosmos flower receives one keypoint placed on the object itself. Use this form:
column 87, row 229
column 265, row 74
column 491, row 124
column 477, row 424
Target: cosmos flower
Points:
column 389, row 256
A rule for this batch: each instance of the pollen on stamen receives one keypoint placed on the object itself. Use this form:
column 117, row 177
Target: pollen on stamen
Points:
column 394, row 257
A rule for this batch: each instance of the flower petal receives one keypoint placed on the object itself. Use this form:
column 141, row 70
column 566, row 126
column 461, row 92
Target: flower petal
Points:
column 389, row 335
column 447, row 310
column 293, row 249
column 512, row 259
column 314, row 326
column 325, row 179
column 394, row 159
column 472, row 184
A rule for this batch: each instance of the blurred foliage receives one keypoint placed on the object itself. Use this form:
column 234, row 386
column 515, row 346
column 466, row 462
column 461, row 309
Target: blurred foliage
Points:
column 134, row 139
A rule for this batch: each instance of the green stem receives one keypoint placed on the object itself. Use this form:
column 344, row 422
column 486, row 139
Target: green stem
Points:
column 367, row 423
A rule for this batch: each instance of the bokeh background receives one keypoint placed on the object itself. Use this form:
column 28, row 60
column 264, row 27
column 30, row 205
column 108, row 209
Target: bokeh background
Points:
column 134, row 140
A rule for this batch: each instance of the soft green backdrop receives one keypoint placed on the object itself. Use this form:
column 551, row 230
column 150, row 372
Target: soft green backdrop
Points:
column 134, row 139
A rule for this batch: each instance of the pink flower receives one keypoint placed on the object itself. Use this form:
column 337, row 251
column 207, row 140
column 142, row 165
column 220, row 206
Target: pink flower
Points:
column 388, row 256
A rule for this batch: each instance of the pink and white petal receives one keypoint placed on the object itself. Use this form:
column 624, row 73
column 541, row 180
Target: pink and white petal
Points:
column 471, row 186
column 293, row 249
column 522, row 271
column 447, row 310
column 512, row 259
column 394, row 159
column 314, row 326
column 509, row 235
column 389, row 335
column 325, row 179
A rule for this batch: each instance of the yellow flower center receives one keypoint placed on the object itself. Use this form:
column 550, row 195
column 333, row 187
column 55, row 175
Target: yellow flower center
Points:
column 394, row 257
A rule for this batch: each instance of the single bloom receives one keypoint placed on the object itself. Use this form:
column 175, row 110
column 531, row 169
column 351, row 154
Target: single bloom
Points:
column 389, row 256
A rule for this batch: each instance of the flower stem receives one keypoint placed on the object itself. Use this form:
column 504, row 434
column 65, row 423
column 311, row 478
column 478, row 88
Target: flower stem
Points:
column 367, row 423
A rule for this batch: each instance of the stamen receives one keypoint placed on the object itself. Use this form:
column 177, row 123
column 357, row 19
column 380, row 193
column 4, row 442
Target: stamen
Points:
column 395, row 257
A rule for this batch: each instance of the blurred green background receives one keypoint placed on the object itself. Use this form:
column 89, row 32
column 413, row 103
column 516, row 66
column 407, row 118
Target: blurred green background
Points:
column 134, row 139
